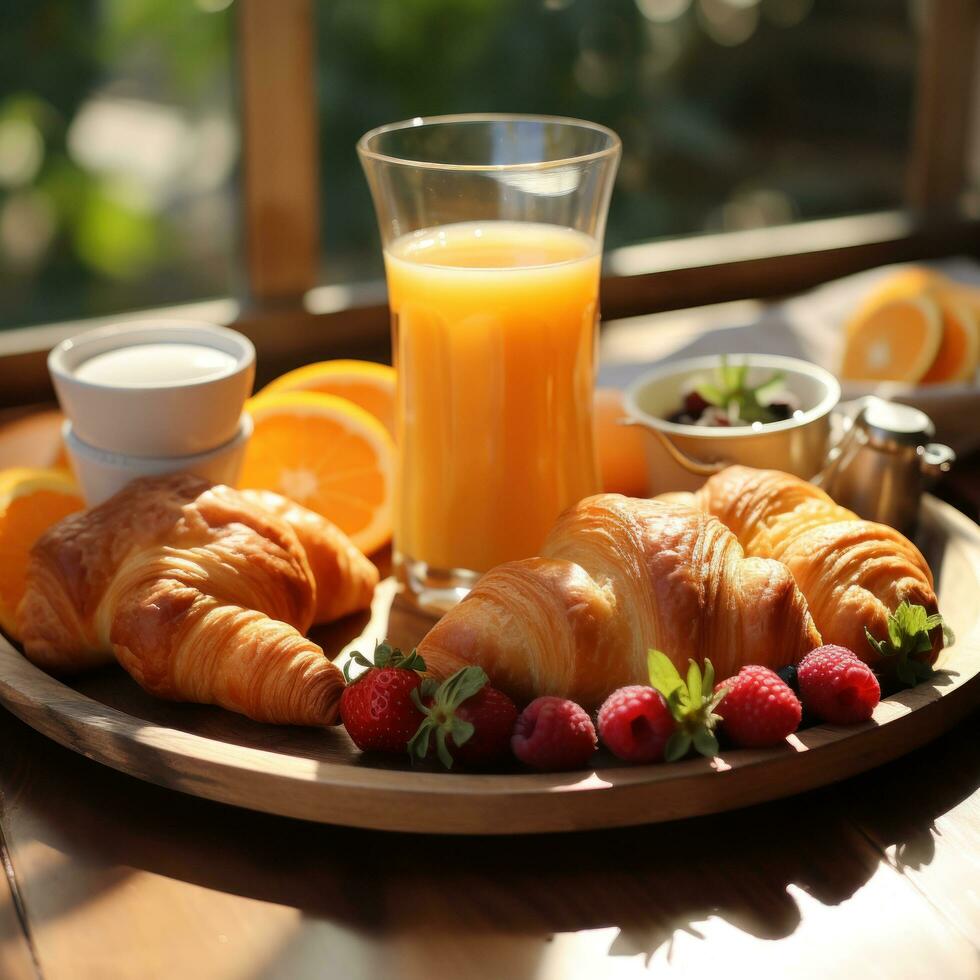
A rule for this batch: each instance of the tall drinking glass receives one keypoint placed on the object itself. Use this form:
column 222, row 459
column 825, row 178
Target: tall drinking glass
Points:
column 492, row 231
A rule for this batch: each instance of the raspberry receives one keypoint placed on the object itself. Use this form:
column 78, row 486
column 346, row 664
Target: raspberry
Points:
column 635, row 723
column 760, row 709
column 553, row 734
column 838, row 687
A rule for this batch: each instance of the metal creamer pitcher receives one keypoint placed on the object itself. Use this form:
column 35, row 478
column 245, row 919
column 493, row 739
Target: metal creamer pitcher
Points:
column 883, row 461
column 878, row 467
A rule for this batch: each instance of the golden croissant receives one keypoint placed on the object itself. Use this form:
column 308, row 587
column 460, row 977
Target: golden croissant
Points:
column 202, row 593
column 618, row 576
column 853, row 572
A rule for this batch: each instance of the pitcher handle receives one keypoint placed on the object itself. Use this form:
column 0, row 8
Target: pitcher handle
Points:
column 835, row 451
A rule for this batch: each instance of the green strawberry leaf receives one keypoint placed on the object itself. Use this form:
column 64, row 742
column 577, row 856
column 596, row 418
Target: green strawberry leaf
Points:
column 694, row 682
column 663, row 674
column 691, row 701
column 709, row 677
column 385, row 655
column 678, row 745
column 705, row 743
column 908, row 629
column 440, row 718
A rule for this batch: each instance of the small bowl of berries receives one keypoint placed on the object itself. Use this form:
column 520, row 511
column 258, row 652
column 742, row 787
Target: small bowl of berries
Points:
column 758, row 410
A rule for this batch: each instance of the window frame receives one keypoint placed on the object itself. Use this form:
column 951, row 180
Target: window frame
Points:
column 291, row 320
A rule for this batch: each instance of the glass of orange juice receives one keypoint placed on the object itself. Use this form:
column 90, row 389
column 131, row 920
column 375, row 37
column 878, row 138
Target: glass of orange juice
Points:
column 492, row 231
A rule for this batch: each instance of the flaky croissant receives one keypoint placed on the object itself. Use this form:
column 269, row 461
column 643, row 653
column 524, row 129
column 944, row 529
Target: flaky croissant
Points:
column 201, row 593
column 853, row 572
column 618, row 576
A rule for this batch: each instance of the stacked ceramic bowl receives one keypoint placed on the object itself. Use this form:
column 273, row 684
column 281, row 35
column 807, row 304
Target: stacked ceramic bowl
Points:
column 147, row 398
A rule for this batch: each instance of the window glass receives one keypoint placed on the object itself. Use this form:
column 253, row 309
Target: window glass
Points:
column 734, row 113
column 118, row 149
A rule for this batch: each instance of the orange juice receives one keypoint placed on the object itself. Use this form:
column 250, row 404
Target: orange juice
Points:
column 494, row 343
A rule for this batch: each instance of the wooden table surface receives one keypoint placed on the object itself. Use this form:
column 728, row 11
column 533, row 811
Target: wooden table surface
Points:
column 108, row 877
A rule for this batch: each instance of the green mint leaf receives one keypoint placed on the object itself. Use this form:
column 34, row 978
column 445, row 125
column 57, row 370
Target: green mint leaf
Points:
column 878, row 645
column 705, row 743
column 768, row 387
column 911, row 620
column 908, row 637
column 678, row 745
column 726, row 374
column 923, row 644
column 895, row 633
column 663, row 674
column 712, row 394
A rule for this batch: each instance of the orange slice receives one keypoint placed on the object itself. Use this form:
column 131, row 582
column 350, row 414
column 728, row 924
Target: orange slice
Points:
column 31, row 500
column 956, row 359
column 895, row 342
column 621, row 448
column 327, row 454
column 370, row 385
column 904, row 284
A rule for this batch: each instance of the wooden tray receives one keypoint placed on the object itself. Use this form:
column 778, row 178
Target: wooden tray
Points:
column 318, row 775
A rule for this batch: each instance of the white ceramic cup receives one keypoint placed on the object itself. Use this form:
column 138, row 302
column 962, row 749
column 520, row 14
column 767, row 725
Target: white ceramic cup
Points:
column 797, row 445
column 101, row 474
column 152, row 419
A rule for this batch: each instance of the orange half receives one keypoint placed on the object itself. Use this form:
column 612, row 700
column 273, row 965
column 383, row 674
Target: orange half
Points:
column 903, row 284
column 31, row 500
column 895, row 342
column 956, row 359
column 327, row 454
column 369, row 385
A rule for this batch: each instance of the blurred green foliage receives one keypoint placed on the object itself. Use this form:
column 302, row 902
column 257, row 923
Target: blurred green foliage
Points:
column 77, row 239
column 807, row 115
column 118, row 139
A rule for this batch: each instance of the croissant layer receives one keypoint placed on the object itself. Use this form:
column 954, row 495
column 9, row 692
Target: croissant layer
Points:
column 201, row 593
column 853, row 572
column 617, row 577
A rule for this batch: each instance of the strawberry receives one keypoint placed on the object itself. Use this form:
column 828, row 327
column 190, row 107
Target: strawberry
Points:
column 377, row 706
column 553, row 734
column 758, row 709
column 838, row 687
column 470, row 720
